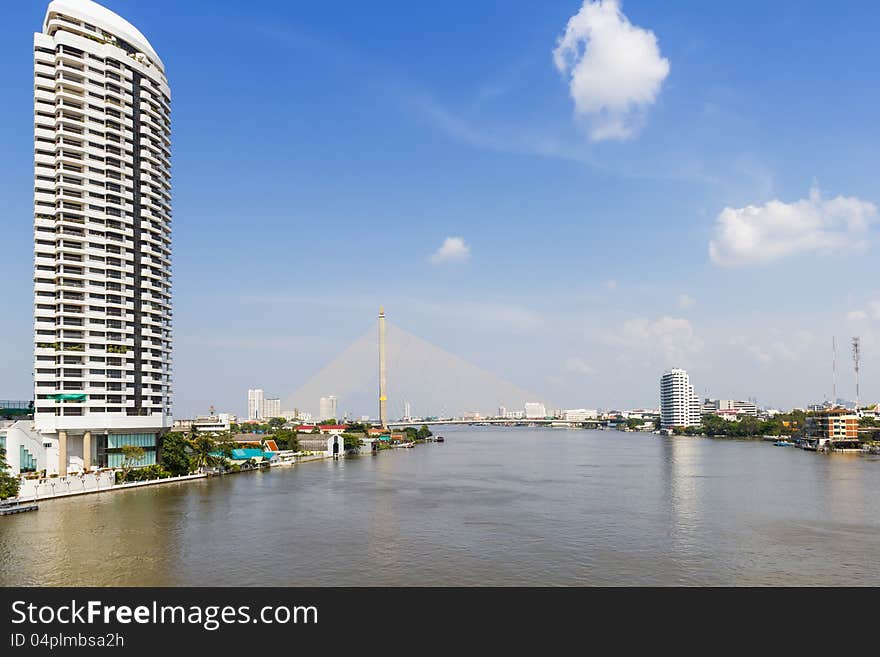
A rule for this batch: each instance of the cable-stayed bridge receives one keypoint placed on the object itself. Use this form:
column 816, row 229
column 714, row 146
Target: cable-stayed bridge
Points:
column 435, row 382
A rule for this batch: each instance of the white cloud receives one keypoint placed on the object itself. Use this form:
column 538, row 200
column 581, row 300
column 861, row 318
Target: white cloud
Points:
column 792, row 349
column 760, row 234
column 857, row 315
column 579, row 366
column 453, row 249
column 674, row 336
column 686, row 301
column 615, row 69
column 610, row 284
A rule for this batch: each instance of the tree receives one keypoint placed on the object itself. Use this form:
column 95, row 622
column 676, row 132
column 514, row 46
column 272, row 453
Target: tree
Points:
column 286, row 439
column 277, row 422
column 131, row 455
column 204, row 448
column 351, row 441
column 328, row 421
column 424, row 432
column 176, row 454
column 9, row 484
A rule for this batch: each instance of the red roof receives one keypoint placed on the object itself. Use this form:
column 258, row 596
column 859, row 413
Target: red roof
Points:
column 322, row 427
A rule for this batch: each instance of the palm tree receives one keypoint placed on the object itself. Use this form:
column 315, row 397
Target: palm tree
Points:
column 203, row 447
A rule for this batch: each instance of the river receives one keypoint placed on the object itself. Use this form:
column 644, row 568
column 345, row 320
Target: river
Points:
column 491, row 506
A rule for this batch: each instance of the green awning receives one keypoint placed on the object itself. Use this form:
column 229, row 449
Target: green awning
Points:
column 68, row 397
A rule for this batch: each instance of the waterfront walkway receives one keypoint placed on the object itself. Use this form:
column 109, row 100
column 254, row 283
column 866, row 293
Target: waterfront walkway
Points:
column 105, row 481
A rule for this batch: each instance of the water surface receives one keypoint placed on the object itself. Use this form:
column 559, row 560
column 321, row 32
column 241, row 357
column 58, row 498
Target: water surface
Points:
column 495, row 506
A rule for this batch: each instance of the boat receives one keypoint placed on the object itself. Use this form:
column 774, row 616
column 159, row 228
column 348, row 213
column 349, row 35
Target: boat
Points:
column 783, row 443
column 440, row 439
column 406, row 445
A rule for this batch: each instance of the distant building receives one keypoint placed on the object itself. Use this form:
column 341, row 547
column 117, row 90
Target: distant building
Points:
column 255, row 404
column 219, row 423
column 580, row 414
column 471, row 415
column 330, row 429
column 741, row 407
column 327, row 408
column 271, row 408
column 835, row 428
column 535, row 410
column 502, row 412
column 679, row 404
column 330, row 445
column 407, row 411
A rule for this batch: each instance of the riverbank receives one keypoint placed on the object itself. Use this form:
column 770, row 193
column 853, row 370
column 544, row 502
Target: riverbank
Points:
column 34, row 490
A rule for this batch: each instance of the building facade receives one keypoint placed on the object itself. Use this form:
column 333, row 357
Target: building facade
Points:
column 255, row 404
column 271, row 408
column 534, row 410
column 580, row 414
column 834, row 428
column 679, row 404
column 102, row 238
column 327, row 408
column 740, row 407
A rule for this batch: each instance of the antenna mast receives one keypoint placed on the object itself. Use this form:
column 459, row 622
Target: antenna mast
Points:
column 857, row 357
column 834, row 370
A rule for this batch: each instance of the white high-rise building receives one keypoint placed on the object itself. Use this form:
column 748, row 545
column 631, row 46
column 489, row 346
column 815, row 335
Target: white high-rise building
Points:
column 535, row 410
column 256, row 402
column 327, row 408
column 102, row 238
column 271, row 408
column 679, row 404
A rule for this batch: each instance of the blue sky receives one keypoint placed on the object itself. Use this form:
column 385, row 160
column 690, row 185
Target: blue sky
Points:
column 323, row 152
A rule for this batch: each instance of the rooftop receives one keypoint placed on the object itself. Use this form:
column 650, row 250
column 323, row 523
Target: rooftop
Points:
column 101, row 17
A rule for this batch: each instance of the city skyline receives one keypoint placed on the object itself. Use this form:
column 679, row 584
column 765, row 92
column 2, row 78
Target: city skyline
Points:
column 574, row 256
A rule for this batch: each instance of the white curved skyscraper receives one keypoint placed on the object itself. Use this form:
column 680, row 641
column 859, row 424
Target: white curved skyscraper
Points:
column 102, row 238
column 679, row 404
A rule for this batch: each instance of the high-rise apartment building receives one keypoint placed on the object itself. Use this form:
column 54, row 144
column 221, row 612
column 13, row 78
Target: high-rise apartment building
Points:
column 256, row 400
column 327, row 408
column 271, row 408
column 102, row 238
column 534, row 410
column 679, row 404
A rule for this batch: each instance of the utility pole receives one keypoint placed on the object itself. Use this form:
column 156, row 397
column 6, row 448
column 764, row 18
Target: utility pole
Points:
column 383, row 398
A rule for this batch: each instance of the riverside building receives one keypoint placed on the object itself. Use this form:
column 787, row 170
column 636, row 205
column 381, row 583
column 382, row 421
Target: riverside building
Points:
column 102, row 243
column 679, row 405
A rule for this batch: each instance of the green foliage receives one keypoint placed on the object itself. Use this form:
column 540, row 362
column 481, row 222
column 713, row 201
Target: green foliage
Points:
column 175, row 451
column 277, row 422
column 327, row 422
column 286, row 439
column 203, row 448
column 783, row 424
column 9, row 484
column 351, row 441
column 424, row 432
column 146, row 473
column 358, row 427
column 131, row 454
